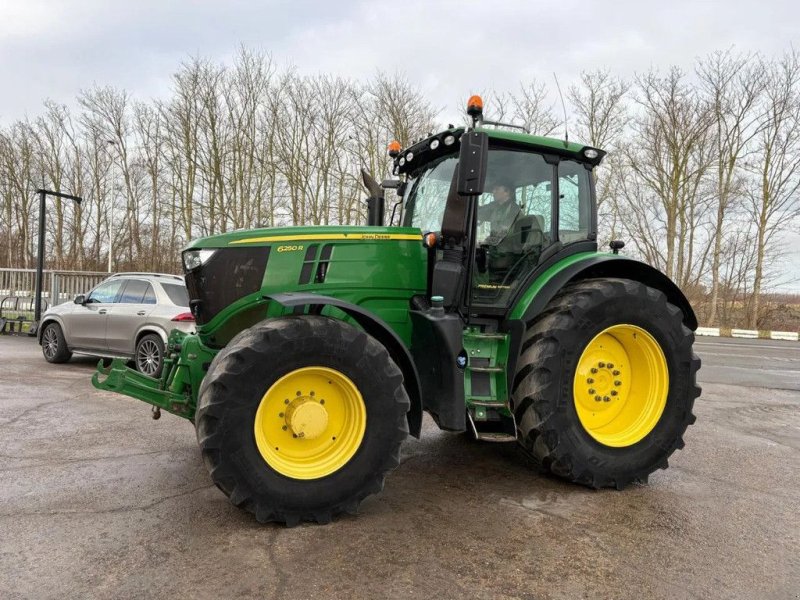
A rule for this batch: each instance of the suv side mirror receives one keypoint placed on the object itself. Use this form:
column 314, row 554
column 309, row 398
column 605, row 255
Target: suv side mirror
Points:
column 472, row 163
column 80, row 299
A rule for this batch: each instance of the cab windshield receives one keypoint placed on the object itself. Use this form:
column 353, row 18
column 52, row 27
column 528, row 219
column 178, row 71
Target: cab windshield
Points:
column 426, row 195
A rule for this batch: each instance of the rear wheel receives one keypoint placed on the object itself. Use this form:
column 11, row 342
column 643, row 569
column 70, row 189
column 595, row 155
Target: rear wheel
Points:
column 606, row 383
column 301, row 418
column 54, row 346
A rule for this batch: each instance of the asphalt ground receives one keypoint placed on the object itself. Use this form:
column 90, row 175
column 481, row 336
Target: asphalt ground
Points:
column 97, row 500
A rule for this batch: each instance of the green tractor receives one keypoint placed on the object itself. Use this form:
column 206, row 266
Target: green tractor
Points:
column 487, row 306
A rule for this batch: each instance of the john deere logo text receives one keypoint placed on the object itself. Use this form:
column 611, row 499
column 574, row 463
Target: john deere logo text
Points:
column 289, row 248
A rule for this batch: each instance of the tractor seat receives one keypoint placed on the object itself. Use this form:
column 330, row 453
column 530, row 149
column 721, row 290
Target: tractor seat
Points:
column 525, row 235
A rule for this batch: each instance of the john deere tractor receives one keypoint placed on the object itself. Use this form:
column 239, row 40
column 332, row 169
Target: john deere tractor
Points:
column 484, row 302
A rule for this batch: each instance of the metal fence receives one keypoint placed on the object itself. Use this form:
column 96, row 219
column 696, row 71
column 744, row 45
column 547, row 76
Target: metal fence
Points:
column 57, row 286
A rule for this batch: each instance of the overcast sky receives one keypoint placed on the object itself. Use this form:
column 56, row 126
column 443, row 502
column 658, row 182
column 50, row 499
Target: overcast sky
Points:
column 54, row 49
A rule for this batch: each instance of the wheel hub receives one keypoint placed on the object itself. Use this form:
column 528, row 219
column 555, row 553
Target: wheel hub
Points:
column 604, row 382
column 306, row 418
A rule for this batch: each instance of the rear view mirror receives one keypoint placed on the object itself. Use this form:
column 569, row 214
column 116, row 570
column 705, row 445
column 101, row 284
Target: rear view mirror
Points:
column 80, row 299
column 472, row 163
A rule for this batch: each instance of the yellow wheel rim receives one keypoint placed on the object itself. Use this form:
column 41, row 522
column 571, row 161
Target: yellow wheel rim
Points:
column 310, row 423
column 621, row 385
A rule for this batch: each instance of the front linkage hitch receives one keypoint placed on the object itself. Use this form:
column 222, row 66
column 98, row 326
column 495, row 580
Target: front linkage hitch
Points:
column 173, row 391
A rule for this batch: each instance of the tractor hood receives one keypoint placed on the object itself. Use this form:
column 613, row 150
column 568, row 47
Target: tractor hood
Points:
column 230, row 276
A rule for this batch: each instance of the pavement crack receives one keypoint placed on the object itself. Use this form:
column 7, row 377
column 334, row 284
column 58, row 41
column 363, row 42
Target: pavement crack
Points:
column 75, row 460
column 109, row 511
column 279, row 590
column 41, row 405
column 27, row 411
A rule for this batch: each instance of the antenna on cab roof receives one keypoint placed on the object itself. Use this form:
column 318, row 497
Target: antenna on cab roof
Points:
column 564, row 107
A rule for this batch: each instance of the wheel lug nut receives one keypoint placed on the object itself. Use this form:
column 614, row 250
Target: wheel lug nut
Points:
column 285, row 428
column 613, row 392
column 590, row 380
column 610, row 365
column 597, row 398
column 617, row 382
column 591, row 391
column 602, row 365
column 606, row 399
column 594, row 370
column 280, row 414
column 615, row 373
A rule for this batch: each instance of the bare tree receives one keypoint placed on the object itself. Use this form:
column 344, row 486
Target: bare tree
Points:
column 773, row 200
column 732, row 84
column 601, row 117
column 669, row 160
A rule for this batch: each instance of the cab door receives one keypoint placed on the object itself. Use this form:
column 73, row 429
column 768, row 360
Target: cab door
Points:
column 86, row 325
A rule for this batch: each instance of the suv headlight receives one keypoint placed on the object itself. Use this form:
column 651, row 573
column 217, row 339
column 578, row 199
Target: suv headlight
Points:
column 196, row 258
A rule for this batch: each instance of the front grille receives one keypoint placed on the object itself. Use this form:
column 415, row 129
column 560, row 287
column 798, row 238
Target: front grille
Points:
column 230, row 274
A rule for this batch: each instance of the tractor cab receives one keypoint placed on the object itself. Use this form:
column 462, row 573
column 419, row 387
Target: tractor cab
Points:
column 518, row 203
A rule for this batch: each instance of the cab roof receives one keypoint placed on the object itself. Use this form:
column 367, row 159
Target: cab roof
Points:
column 422, row 151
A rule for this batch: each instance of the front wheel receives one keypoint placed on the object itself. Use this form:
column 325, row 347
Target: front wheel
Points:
column 301, row 418
column 54, row 346
column 606, row 383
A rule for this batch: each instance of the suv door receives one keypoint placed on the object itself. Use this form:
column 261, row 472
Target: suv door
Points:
column 86, row 325
column 135, row 303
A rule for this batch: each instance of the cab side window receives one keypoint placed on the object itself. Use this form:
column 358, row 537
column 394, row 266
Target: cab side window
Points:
column 106, row 292
column 574, row 202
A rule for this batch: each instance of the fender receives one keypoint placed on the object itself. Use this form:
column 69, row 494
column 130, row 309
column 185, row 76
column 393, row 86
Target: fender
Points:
column 150, row 328
column 40, row 328
column 378, row 329
column 582, row 266
column 599, row 265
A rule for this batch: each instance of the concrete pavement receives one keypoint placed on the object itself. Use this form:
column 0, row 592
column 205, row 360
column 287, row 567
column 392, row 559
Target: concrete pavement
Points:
column 97, row 500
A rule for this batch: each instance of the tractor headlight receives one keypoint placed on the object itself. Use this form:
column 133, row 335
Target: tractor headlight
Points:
column 434, row 144
column 590, row 153
column 409, row 157
column 449, row 140
column 196, row 258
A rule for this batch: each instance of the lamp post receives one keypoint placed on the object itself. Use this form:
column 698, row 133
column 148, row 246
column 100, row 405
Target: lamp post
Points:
column 111, row 213
column 37, row 311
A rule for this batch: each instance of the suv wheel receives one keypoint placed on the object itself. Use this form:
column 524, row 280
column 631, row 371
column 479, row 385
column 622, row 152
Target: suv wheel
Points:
column 150, row 355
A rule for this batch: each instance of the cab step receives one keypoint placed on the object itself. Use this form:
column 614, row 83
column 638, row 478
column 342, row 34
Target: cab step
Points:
column 502, row 430
column 487, row 369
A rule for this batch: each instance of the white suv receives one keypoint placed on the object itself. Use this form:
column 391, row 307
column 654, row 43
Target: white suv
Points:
column 129, row 315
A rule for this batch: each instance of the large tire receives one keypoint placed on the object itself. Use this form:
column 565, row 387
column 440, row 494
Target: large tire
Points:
column 241, row 385
column 554, row 427
column 54, row 346
column 149, row 357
